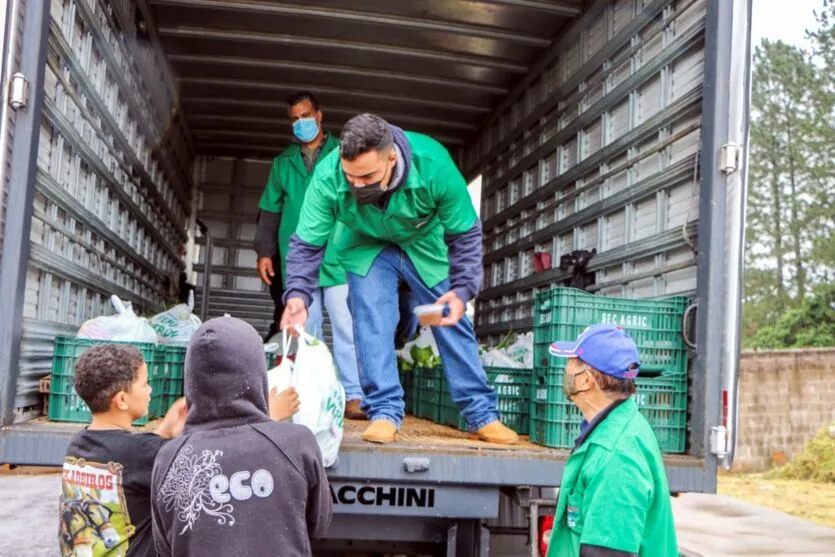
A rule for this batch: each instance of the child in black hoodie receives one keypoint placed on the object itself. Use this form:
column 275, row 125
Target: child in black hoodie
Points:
column 236, row 482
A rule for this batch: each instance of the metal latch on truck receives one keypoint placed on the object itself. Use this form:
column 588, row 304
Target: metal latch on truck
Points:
column 729, row 158
column 18, row 91
column 719, row 441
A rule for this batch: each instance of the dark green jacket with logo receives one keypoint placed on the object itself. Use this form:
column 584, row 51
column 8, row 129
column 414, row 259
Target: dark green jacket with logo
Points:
column 614, row 492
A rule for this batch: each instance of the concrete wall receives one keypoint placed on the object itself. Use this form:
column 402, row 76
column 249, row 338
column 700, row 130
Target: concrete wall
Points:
column 785, row 397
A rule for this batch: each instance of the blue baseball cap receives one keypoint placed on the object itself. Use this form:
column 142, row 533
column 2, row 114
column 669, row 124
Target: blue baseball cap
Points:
column 607, row 348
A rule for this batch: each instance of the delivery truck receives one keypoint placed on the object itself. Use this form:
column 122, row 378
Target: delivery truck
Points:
column 609, row 138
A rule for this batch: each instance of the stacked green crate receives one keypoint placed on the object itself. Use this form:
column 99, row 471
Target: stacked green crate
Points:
column 555, row 420
column 272, row 359
column 428, row 385
column 513, row 391
column 168, row 383
column 64, row 403
column 656, row 327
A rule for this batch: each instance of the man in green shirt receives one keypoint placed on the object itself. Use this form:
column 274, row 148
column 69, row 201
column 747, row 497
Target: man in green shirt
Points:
column 614, row 499
column 279, row 210
column 407, row 219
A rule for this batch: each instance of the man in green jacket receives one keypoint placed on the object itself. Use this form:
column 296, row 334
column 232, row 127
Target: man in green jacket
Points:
column 614, row 499
column 279, row 211
column 407, row 219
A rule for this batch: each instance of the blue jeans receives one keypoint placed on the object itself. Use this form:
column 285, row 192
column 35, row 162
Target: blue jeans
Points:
column 344, row 355
column 374, row 303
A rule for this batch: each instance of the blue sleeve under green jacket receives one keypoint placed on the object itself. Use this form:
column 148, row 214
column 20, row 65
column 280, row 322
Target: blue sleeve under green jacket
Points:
column 285, row 192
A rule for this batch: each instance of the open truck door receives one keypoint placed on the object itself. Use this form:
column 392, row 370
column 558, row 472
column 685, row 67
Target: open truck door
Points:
column 619, row 126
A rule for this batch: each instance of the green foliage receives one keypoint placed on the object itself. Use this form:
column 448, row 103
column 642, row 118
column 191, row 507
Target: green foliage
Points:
column 790, row 249
column 812, row 324
column 424, row 357
column 816, row 462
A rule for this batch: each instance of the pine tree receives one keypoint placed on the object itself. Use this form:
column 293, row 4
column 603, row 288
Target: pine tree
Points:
column 790, row 111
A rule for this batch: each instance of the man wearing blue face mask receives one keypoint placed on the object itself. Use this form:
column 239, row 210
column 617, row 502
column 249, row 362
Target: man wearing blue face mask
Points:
column 278, row 217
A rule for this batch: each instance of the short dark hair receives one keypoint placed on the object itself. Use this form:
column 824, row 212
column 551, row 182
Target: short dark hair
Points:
column 103, row 371
column 364, row 133
column 296, row 98
column 623, row 388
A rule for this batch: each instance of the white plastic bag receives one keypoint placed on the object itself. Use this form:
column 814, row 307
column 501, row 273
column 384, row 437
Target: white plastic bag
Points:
column 176, row 325
column 321, row 395
column 522, row 350
column 280, row 377
column 124, row 326
column 497, row 358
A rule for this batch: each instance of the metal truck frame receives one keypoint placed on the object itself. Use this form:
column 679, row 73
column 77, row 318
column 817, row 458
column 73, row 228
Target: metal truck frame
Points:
column 414, row 497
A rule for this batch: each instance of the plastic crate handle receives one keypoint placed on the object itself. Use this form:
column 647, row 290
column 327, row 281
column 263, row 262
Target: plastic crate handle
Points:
column 651, row 372
column 684, row 329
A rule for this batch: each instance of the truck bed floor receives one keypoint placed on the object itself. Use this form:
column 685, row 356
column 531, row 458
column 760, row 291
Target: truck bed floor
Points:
column 419, row 435
column 416, row 437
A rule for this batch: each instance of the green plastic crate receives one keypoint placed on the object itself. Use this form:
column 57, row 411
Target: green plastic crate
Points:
column 655, row 325
column 513, row 391
column 272, row 357
column 168, row 382
column 555, row 420
column 428, row 386
column 64, row 403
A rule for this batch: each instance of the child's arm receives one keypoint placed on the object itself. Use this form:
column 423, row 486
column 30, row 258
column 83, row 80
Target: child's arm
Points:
column 174, row 421
column 283, row 404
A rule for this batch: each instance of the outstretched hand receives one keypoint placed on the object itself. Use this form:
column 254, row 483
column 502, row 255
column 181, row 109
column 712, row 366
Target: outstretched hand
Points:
column 457, row 308
column 284, row 404
column 294, row 316
column 174, row 421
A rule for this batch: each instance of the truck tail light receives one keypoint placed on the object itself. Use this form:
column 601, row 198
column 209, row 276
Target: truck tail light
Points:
column 546, row 526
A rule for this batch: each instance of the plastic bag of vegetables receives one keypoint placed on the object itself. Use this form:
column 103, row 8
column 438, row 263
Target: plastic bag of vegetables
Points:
column 420, row 352
column 176, row 325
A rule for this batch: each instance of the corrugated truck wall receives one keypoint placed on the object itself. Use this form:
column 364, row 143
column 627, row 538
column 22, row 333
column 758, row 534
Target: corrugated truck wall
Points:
column 597, row 150
column 11, row 26
column 230, row 190
column 112, row 180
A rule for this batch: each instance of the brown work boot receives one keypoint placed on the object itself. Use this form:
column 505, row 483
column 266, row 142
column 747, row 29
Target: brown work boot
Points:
column 380, row 431
column 353, row 410
column 497, row 432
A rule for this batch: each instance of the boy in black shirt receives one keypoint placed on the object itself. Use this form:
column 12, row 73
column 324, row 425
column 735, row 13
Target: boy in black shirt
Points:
column 106, row 488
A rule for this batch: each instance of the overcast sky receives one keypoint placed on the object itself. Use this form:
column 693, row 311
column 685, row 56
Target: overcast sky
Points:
column 786, row 20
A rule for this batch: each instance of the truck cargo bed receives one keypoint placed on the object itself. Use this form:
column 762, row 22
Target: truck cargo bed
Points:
column 423, row 436
column 425, row 452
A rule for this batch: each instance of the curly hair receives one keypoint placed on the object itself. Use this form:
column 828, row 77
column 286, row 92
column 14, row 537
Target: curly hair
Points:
column 103, row 371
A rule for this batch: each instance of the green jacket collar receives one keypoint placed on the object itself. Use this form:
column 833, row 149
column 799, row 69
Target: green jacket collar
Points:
column 294, row 152
column 608, row 431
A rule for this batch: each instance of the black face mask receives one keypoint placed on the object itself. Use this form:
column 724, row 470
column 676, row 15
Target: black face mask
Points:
column 371, row 193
